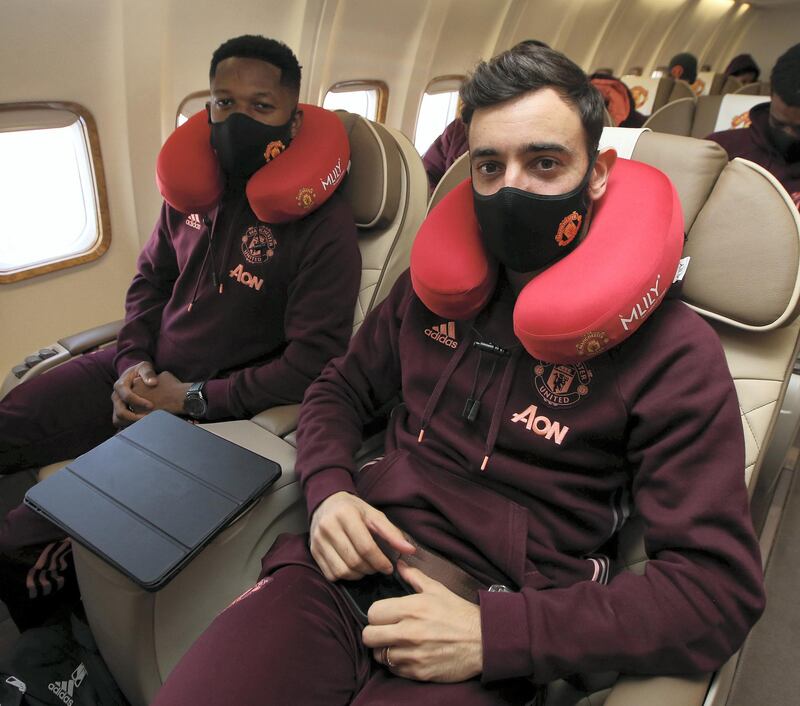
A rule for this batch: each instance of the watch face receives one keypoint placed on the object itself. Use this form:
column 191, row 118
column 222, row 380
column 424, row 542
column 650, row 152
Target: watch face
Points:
column 194, row 405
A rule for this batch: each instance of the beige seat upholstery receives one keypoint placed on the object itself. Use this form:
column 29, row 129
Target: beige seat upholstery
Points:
column 715, row 113
column 759, row 88
column 142, row 635
column 748, row 289
column 674, row 118
column 649, row 94
column 711, row 83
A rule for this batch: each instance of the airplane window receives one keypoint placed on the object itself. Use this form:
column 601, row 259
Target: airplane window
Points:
column 437, row 110
column 365, row 98
column 48, row 177
column 193, row 103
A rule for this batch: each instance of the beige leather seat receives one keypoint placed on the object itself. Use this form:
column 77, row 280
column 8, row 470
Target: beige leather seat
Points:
column 698, row 117
column 715, row 113
column 711, row 83
column 759, row 88
column 649, row 94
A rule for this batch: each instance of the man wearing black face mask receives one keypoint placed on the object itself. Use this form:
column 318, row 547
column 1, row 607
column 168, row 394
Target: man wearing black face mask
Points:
column 773, row 138
column 226, row 316
column 509, row 473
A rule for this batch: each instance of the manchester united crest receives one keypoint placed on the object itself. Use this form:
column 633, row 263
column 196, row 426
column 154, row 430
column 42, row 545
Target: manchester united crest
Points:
column 561, row 385
column 305, row 197
column 258, row 244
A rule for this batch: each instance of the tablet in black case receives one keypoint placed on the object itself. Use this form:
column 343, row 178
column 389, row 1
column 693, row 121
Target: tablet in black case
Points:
column 151, row 497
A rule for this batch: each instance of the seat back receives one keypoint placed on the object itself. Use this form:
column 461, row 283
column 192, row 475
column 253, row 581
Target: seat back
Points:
column 759, row 88
column 728, row 112
column 387, row 190
column 143, row 635
column 649, row 94
column 711, row 83
column 674, row 118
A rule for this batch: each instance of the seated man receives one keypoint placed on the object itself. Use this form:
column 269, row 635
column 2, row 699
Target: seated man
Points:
column 744, row 68
column 619, row 100
column 773, row 138
column 199, row 338
column 683, row 67
column 452, row 143
column 490, row 498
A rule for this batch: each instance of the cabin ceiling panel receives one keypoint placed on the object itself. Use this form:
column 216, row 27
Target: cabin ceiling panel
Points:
column 770, row 33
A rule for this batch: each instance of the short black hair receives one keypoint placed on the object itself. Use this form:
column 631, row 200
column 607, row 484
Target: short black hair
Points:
column 528, row 67
column 254, row 46
column 785, row 77
column 689, row 64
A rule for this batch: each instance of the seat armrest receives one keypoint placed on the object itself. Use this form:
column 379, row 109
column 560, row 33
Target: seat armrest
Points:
column 92, row 338
column 279, row 420
column 659, row 691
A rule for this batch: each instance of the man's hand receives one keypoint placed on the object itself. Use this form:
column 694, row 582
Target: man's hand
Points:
column 341, row 538
column 128, row 405
column 168, row 394
column 433, row 635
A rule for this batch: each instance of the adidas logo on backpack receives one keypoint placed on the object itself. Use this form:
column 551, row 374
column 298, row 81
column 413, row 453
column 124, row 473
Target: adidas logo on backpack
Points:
column 65, row 689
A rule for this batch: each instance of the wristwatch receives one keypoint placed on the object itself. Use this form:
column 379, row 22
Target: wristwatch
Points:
column 195, row 404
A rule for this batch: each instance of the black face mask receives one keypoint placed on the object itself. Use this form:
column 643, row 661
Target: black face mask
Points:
column 244, row 145
column 786, row 144
column 526, row 231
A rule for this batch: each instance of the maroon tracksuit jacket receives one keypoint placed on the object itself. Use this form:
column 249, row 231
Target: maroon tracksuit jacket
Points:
column 257, row 313
column 651, row 427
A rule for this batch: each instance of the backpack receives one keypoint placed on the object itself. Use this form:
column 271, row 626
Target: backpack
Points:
column 57, row 665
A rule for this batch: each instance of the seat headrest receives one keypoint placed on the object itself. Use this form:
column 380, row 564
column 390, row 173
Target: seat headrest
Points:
column 372, row 187
column 296, row 182
column 745, row 250
column 649, row 94
column 584, row 304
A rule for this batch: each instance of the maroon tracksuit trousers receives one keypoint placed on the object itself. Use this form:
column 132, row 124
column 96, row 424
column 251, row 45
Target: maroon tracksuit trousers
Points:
column 292, row 640
column 50, row 418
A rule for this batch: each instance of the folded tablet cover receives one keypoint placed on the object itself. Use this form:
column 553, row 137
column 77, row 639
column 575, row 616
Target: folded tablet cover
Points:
column 148, row 499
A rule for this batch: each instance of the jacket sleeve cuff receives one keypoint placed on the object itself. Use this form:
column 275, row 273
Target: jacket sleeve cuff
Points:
column 217, row 399
column 504, row 631
column 325, row 483
column 125, row 361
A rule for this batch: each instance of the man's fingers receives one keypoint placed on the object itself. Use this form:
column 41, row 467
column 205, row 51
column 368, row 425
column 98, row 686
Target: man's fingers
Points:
column 131, row 399
column 416, row 579
column 368, row 550
column 378, row 523
column 148, row 375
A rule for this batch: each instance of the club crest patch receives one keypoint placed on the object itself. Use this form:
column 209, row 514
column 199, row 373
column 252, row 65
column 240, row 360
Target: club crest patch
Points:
column 258, row 244
column 561, row 385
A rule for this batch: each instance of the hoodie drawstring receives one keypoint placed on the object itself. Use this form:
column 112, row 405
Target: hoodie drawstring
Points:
column 502, row 398
column 438, row 389
column 210, row 226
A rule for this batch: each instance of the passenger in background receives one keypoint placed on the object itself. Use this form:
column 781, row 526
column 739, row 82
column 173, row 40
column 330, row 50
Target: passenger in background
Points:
column 199, row 339
column 683, row 67
column 521, row 595
column 773, row 138
column 618, row 99
column 452, row 143
column 744, row 68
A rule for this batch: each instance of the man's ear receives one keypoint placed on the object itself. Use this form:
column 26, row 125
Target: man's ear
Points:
column 297, row 123
column 602, row 168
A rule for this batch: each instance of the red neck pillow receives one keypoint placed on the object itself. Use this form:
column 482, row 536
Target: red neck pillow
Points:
column 584, row 304
column 296, row 182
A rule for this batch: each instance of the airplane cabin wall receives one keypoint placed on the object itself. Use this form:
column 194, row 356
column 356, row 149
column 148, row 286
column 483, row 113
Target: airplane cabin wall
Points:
column 131, row 64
